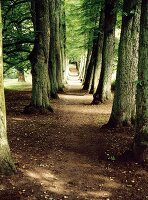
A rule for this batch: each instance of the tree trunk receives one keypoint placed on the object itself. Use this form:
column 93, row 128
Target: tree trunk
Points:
column 98, row 59
column 63, row 40
column 103, row 92
column 6, row 164
column 58, row 45
column 87, row 71
column 39, row 59
column 52, row 53
column 123, row 111
column 141, row 137
column 90, row 69
column 21, row 75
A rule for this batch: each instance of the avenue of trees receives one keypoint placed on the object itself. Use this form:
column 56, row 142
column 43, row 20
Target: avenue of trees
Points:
column 44, row 36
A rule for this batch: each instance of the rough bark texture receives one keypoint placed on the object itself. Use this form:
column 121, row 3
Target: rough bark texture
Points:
column 39, row 58
column 103, row 92
column 123, row 111
column 6, row 164
column 59, row 61
column 63, row 40
column 57, row 54
column 141, row 137
column 52, row 53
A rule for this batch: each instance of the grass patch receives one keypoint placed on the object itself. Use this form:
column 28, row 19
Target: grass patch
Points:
column 14, row 85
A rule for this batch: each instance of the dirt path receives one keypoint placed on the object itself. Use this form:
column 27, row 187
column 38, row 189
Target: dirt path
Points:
column 66, row 155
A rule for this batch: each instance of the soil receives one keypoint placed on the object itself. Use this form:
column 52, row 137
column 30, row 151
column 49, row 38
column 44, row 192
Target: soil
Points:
column 67, row 155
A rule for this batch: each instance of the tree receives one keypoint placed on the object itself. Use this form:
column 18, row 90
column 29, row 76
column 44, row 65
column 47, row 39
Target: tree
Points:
column 58, row 47
column 123, row 111
column 39, row 58
column 98, row 56
column 18, row 35
column 91, row 18
column 141, row 136
column 103, row 92
column 6, row 163
column 52, row 52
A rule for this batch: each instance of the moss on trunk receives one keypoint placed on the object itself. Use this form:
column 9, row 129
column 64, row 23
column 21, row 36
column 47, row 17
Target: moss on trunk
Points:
column 123, row 111
column 141, row 136
column 6, row 163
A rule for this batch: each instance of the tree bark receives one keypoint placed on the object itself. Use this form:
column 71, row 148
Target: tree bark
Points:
column 141, row 136
column 87, row 71
column 39, row 59
column 123, row 111
column 103, row 92
column 90, row 69
column 63, row 40
column 98, row 56
column 59, row 61
column 52, row 53
column 6, row 163
column 21, row 75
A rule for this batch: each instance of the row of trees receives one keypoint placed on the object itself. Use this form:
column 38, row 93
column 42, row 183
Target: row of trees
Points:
column 47, row 55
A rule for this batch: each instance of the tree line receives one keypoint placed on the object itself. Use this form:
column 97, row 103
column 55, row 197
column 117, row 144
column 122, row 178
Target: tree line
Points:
column 35, row 33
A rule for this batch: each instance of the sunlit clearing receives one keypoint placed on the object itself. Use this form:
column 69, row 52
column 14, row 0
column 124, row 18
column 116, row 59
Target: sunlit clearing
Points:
column 48, row 180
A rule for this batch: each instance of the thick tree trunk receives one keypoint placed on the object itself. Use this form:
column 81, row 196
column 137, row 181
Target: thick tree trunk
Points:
column 123, row 111
column 103, row 92
column 39, row 59
column 58, row 45
column 6, row 164
column 63, row 40
column 52, row 53
column 141, row 137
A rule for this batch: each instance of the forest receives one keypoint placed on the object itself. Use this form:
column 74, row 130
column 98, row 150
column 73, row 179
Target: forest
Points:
column 73, row 99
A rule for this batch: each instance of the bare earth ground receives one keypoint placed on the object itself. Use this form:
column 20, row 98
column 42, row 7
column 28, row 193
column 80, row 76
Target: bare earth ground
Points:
column 65, row 155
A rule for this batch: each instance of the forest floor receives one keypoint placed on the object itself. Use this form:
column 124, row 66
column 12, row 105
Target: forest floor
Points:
column 66, row 155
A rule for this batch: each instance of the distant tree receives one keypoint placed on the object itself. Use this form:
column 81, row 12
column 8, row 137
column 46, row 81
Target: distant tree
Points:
column 91, row 25
column 58, row 47
column 75, row 35
column 52, row 52
column 39, row 58
column 123, row 111
column 6, row 163
column 103, row 92
column 90, row 68
column 141, row 137
column 18, row 36
column 98, row 56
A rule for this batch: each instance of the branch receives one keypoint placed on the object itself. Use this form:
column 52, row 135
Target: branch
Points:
column 25, row 41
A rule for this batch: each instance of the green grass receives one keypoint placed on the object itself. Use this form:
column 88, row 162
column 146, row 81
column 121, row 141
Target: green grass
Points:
column 14, row 85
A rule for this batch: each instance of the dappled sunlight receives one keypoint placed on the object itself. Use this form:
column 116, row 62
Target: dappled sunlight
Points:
column 97, row 194
column 83, row 105
column 18, row 119
column 74, row 99
column 47, row 180
column 58, row 184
